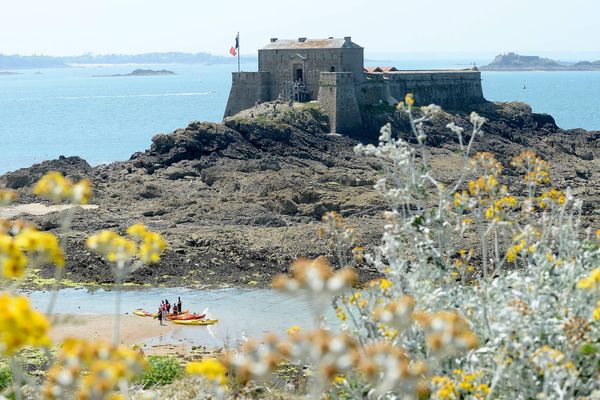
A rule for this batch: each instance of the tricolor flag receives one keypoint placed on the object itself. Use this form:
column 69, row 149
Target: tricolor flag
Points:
column 234, row 49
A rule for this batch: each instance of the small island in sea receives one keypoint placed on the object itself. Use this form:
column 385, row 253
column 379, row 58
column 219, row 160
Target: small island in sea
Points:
column 517, row 62
column 8, row 73
column 140, row 72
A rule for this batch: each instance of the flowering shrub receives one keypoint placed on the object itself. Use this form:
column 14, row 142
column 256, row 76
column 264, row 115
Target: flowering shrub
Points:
column 514, row 316
column 82, row 369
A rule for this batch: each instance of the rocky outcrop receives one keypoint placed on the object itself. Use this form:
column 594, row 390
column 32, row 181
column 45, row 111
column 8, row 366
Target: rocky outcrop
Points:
column 238, row 201
column 73, row 167
column 516, row 62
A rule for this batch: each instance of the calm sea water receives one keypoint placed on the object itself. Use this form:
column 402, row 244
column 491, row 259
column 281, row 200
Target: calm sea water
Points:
column 70, row 112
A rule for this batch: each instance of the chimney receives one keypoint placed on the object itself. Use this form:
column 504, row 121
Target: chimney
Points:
column 273, row 40
column 347, row 39
column 302, row 39
column 330, row 37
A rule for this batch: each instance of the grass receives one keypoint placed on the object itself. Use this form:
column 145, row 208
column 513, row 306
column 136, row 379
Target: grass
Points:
column 162, row 370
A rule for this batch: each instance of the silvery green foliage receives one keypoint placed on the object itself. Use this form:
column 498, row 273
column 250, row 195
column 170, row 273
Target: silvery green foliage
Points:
column 537, row 338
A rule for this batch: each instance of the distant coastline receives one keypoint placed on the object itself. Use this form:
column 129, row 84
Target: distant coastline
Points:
column 11, row 62
column 517, row 62
column 139, row 72
column 8, row 73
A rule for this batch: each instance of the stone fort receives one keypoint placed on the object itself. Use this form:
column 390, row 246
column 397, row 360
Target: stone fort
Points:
column 332, row 72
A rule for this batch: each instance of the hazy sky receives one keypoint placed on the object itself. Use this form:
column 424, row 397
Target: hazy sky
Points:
column 69, row 27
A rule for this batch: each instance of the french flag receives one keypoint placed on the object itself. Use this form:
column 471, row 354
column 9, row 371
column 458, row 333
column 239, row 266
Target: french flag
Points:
column 234, row 49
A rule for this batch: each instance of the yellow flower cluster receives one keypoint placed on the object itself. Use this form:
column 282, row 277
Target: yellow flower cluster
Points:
column 546, row 358
column 145, row 244
column 536, row 169
column 315, row 276
column 514, row 250
column 91, row 370
column 460, row 385
column 382, row 283
column 20, row 325
column 486, row 163
column 551, row 196
column 596, row 312
column 57, row 188
column 446, row 332
column 498, row 209
column 485, row 185
column 7, row 196
column 210, row 368
column 21, row 242
column 592, row 281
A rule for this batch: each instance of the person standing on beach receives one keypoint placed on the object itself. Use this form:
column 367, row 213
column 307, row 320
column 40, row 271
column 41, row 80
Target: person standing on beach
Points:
column 164, row 314
column 179, row 304
column 160, row 315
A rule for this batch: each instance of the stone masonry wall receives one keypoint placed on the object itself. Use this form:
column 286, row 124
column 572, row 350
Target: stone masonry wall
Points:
column 337, row 96
column 246, row 89
column 453, row 90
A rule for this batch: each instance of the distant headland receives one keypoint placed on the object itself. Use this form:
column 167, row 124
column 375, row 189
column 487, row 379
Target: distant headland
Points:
column 140, row 72
column 10, row 62
column 517, row 62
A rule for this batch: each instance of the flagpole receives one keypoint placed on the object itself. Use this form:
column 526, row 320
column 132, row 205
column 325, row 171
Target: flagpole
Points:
column 238, row 43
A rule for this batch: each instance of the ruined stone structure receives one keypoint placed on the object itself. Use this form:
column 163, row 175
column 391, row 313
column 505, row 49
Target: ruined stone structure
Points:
column 332, row 72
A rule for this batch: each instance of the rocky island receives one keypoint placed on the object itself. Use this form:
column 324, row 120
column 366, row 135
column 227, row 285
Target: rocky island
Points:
column 516, row 62
column 140, row 72
column 239, row 200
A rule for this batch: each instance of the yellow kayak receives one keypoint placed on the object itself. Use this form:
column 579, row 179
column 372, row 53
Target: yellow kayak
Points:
column 196, row 322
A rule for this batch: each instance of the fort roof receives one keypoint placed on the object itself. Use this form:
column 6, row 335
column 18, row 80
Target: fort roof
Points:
column 304, row 43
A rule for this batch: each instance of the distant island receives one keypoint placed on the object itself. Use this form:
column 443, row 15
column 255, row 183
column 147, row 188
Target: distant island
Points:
column 140, row 72
column 517, row 62
column 9, row 73
column 8, row 62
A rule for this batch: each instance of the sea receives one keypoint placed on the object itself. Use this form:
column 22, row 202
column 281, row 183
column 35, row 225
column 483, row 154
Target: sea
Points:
column 68, row 111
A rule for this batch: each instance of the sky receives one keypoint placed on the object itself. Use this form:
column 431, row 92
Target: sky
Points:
column 563, row 29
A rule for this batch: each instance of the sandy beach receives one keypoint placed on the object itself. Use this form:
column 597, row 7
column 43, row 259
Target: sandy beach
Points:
column 134, row 329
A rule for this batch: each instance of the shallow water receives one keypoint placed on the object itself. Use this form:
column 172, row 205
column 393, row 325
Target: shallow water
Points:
column 241, row 312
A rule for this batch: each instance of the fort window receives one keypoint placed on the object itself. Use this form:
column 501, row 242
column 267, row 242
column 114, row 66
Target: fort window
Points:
column 331, row 69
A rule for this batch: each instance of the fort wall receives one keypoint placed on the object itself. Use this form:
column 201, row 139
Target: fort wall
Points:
column 246, row 89
column 452, row 90
column 338, row 98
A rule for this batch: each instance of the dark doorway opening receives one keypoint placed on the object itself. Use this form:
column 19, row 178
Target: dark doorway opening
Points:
column 298, row 75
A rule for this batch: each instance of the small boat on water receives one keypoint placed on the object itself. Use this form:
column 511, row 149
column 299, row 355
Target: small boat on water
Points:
column 186, row 317
column 144, row 313
column 195, row 322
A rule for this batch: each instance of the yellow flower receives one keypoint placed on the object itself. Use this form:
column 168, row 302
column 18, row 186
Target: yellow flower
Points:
column 7, row 196
column 12, row 259
column 551, row 196
column 44, row 245
column 210, row 368
column 514, row 250
column 137, row 231
column 339, row 380
column 57, row 188
column 590, row 282
column 596, row 312
column 114, row 248
column 536, row 169
column 21, row 325
column 151, row 247
column 409, row 99
column 81, row 192
column 92, row 370
column 339, row 312
column 293, row 330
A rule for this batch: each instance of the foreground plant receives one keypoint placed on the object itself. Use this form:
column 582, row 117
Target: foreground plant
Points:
column 513, row 315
